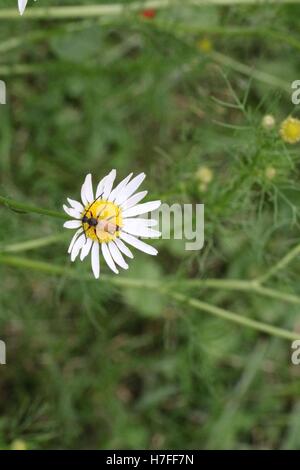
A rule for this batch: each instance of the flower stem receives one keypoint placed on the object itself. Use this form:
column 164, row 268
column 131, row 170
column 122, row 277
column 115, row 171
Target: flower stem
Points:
column 234, row 317
column 85, row 11
column 25, row 208
column 141, row 283
column 33, row 244
column 241, row 285
column 244, row 69
column 282, row 263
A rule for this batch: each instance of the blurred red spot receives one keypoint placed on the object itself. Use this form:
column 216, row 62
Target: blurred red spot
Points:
column 149, row 13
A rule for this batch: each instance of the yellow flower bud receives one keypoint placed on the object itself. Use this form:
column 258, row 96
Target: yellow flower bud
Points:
column 204, row 175
column 290, row 130
column 205, row 45
column 270, row 172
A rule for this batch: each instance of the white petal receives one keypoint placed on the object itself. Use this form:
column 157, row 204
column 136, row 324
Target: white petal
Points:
column 145, row 222
column 75, row 204
column 96, row 260
column 116, row 255
column 22, row 5
column 86, row 248
column 133, row 200
column 72, row 224
column 122, row 247
column 100, row 187
column 87, row 190
column 109, row 184
column 141, row 231
column 119, row 188
column 74, row 239
column 141, row 209
column 83, row 195
column 130, row 188
column 108, row 258
column 142, row 246
column 139, row 227
column 72, row 212
column 77, row 247
column 150, row 233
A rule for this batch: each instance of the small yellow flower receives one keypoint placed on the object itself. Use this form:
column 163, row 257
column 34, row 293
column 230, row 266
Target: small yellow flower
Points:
column 204, row 175
column 268, row 121
column 18, row 444
column 290, row 130
column 270, row 172
column 205, row 45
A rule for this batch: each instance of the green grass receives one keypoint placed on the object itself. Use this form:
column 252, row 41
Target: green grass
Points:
column 190, row 349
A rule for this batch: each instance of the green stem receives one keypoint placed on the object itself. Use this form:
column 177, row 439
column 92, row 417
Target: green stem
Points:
column 240, row 285
column 86, row 11
column 275, row 294
column 41, row 266
column 231, row 284
column 235, row 318
column 23, row 207
column 140, row 283
column 48, row 268
column 250, row 71
column 281, row 264
column 227, row 284
column 33, row 244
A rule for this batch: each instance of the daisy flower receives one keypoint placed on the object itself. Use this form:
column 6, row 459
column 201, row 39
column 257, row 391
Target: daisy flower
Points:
column 107, row 221
column 22, row 5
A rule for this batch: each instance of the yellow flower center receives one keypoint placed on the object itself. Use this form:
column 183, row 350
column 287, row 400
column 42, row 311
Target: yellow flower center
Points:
column 104, row 221
column 290, row 130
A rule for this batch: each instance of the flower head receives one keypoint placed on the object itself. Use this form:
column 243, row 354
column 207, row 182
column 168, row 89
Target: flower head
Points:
column 204, row 175
column 290, row 130
column 270, row 172
column 108, row 218
column 268, row 121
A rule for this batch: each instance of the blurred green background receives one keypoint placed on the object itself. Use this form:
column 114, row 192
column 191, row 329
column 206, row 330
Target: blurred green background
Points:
column 180, row 96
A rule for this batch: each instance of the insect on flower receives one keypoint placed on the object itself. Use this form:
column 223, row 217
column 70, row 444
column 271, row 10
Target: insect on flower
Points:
column 108, row 219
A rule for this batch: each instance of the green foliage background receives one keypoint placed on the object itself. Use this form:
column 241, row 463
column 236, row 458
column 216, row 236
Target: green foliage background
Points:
column 97, row 365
